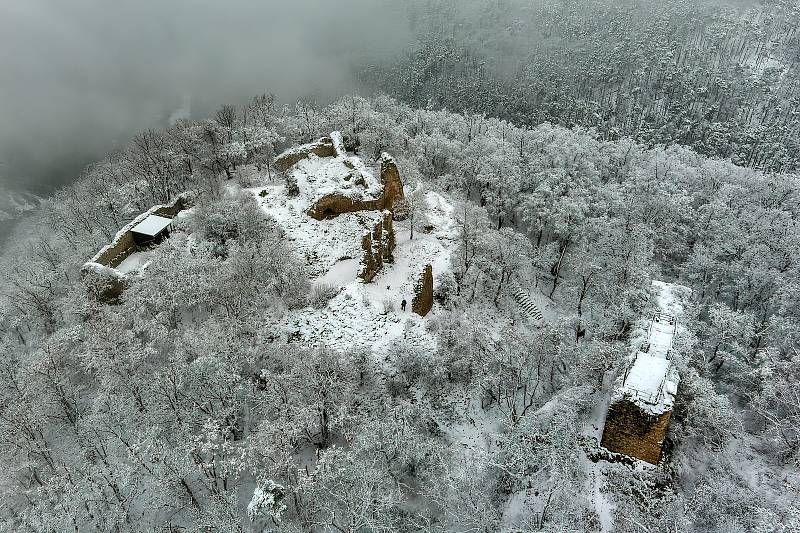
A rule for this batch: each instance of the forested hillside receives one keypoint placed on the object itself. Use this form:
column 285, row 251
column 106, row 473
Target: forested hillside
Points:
column 188, row 405
column 720, row 77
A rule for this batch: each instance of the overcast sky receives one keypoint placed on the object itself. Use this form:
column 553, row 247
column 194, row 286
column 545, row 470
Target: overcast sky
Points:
column 80, row 77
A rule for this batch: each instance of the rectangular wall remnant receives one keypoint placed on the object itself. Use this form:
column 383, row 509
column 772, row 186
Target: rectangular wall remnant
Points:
column 641, row 405
column 378, row 245
column 100, row 272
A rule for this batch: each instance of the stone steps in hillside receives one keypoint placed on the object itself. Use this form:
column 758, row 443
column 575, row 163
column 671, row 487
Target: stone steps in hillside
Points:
column 529, row 309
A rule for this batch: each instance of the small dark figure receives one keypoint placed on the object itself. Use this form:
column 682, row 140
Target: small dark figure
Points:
column 403, row 305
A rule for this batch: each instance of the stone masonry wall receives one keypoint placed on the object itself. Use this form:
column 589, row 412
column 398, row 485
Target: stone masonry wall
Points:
column 392, row 184
column 323, row 147
column 122, row 246
column 332, row 205
column 423, row 293
column 378, row 246
column 632, row 432
column 99, row 274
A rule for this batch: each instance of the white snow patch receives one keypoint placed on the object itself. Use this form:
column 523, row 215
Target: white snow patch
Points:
column 346, row 176
column 137, row 261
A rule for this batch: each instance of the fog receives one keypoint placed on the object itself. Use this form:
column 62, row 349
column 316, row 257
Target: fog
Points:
column 79, row 78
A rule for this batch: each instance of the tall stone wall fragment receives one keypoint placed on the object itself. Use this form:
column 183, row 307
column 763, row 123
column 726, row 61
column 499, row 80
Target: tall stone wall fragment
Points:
column 423, row 293
column 392, row 184
column 632, row 432
column 377, row 245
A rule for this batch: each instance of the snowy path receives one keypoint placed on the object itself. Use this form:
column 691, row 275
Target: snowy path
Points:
column 596, row 478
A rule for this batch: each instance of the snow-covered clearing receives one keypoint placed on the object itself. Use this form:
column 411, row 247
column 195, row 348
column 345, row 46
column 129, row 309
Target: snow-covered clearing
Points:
column 361, row 315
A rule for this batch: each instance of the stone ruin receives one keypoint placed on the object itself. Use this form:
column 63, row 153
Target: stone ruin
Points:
column 323, row 147
column 378, row 246
column 392, row 184
column 100, row 274
column 336, row 203
column 422, row 302
column 641, row 406
column 634, row 432
column 336, row 183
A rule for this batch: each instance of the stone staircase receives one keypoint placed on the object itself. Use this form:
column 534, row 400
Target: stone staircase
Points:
column 529, row 309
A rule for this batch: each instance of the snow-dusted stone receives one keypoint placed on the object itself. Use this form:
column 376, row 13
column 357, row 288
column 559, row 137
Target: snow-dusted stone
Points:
column 392, row 184
column 335, row 183
column 377, row 245
column 323, row 147
column 126, row 243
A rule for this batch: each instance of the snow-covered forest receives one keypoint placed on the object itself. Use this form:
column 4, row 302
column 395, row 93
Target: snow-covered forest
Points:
column 216, row 395
column 720, row 77
column 520, row 266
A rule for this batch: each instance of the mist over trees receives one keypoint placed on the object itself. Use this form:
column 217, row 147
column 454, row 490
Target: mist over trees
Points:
column 719, row 77
column 182, row 408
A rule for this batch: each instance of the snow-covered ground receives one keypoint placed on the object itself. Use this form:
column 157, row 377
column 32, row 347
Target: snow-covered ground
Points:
column 134, row 262
column 344, row 175
column 362, row 314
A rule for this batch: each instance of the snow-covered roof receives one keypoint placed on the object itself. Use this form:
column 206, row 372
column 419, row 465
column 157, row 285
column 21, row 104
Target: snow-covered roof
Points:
column 645, row 379
column 152, row 225
column 662, row 331
column 652, row 380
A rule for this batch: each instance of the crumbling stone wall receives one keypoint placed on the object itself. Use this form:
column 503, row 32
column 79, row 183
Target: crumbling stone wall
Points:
column 115, row 253
column 378, row 246
column 323, row 147
column 392, row 184
column 633, row 432
column 332, row 205
column 124, row 244
column 99, row 274
column 423, row 293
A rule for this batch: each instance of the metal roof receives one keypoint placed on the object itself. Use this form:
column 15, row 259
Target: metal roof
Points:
column 152, row 225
